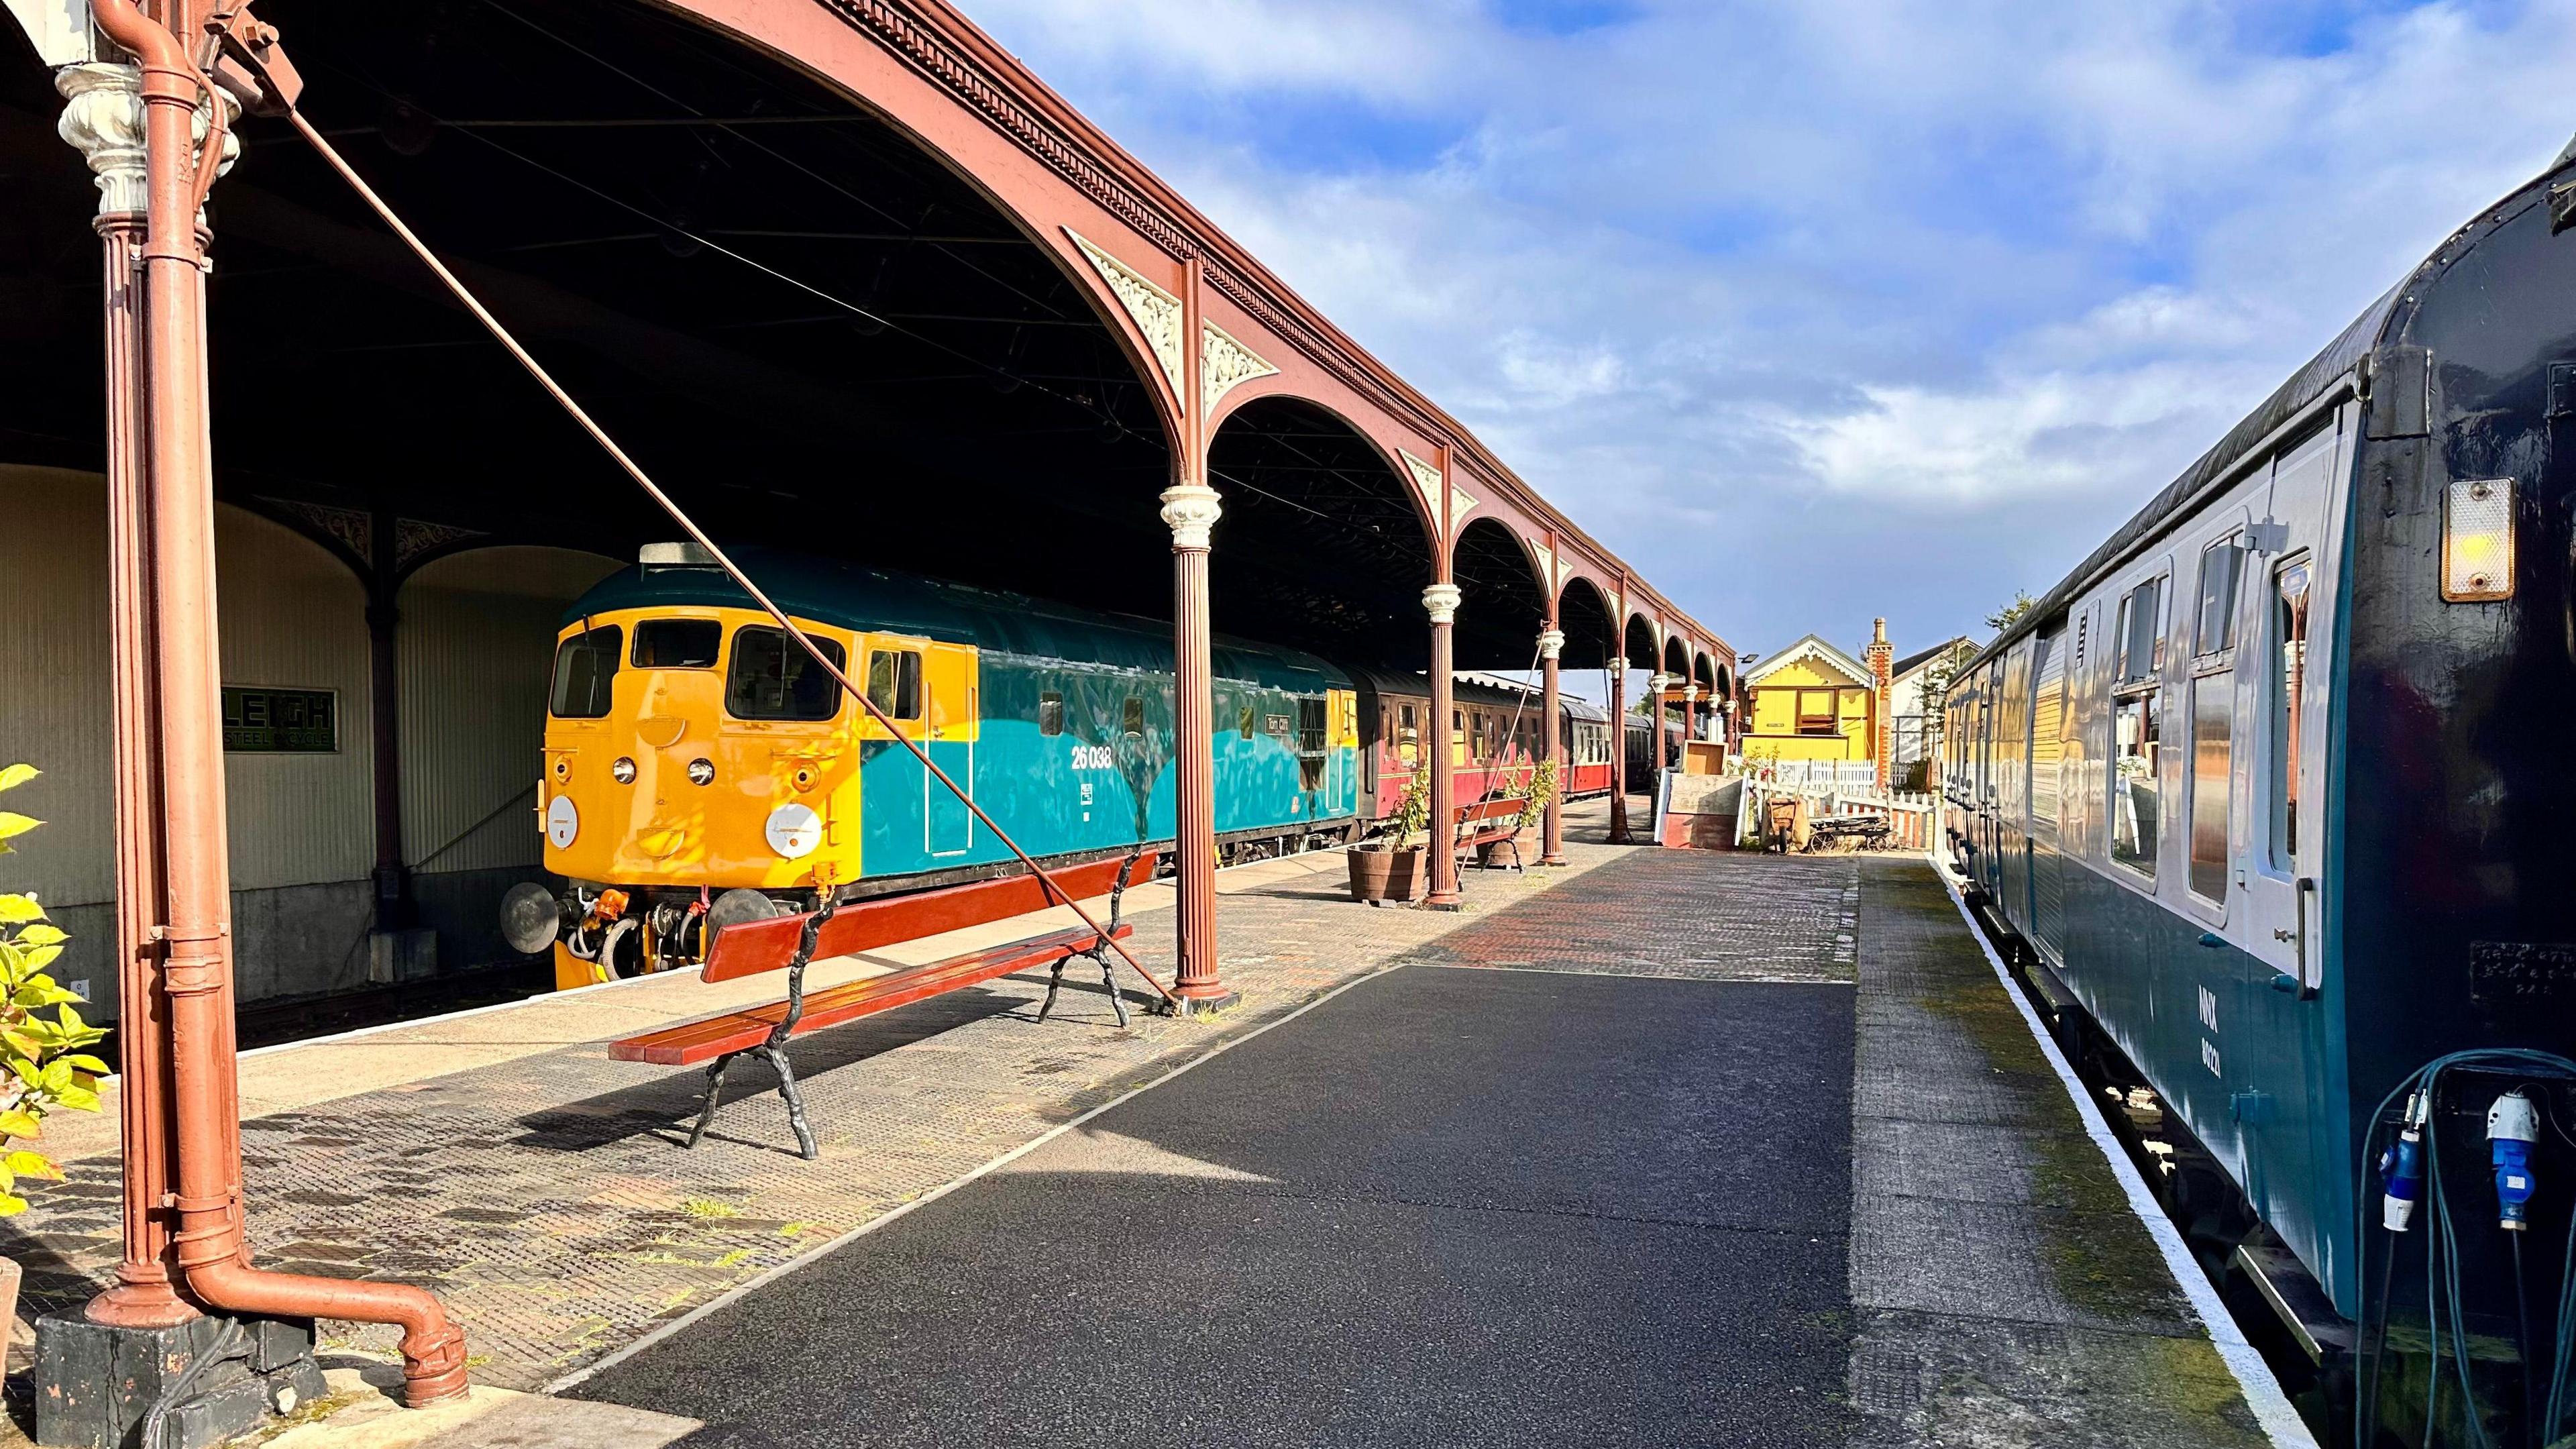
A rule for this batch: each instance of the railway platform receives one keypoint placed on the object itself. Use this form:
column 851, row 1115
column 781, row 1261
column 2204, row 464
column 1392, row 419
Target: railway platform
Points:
column 1789, row 1095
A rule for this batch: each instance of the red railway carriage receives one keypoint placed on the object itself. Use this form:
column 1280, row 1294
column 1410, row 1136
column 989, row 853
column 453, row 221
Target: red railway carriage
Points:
column 1494, row 738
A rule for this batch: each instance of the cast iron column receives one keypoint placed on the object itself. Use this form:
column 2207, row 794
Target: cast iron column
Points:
column 1618, row 673
column 1441, row 599
column 1190, row 510
column 1551, row 834
column 103, row 117
column 1661, row 685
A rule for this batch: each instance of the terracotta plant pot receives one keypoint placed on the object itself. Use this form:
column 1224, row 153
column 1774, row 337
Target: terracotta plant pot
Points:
column 1379, row 876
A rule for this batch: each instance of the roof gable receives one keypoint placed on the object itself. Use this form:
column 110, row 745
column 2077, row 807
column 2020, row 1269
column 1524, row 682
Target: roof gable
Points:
column 1810, row 650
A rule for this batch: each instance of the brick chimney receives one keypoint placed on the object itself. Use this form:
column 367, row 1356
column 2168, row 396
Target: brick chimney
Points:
column 1882, row 673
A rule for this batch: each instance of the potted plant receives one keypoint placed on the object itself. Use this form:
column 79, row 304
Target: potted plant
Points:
column 48, row 1067
column 1387, row 866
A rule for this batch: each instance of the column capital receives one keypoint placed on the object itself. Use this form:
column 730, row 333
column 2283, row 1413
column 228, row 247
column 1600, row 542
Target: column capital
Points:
column 1190, row 510
column 1690, row 694
column 103, row 120
column 1551, row 642
column 1442, row 601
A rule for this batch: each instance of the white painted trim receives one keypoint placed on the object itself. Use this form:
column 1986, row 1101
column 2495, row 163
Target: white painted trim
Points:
column 2263, row 1393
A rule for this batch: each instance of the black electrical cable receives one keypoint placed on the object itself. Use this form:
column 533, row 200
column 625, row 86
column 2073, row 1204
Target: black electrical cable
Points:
column 2522, row 1348
column 2375, row 1343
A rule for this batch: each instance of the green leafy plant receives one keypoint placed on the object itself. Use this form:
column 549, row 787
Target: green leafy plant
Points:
column 1412, row 813
column 47, row 1067
column 1535, row 794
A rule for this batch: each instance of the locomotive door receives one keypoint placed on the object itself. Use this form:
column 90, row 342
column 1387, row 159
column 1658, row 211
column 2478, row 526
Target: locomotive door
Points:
column 2280, row 830
column 949, row 686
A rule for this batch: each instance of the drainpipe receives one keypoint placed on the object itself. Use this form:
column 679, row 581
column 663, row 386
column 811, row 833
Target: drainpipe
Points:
column 195, row 934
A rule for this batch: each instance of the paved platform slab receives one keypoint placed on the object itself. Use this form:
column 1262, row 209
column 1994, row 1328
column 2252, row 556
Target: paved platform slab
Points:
column 1448, row 1206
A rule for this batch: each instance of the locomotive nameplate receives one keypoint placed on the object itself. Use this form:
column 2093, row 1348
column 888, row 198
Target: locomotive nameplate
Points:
column 2521, row 973
column 259, row 720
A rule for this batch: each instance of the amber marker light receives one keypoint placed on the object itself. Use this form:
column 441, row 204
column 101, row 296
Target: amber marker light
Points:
column 2477, row 541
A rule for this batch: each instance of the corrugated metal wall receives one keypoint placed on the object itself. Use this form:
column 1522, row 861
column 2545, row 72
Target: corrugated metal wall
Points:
column 292, row 615
column 295, row 617
column 53, row 680
column 474, row 645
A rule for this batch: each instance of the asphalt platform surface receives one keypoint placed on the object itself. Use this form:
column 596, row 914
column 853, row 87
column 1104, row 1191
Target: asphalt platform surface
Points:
column 1449, row 1206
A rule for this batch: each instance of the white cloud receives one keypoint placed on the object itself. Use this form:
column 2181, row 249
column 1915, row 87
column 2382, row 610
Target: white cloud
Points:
column 1738, row 283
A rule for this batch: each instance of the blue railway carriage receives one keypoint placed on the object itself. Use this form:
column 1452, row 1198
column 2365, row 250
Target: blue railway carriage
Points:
column 2276, row 784
column 698, row 767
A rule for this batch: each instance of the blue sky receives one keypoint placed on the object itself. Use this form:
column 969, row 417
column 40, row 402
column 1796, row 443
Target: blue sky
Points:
column 1819, row 310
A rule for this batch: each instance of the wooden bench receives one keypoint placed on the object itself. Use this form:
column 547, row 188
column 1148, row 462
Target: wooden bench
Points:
column 764, row 1031
column 1490, row 822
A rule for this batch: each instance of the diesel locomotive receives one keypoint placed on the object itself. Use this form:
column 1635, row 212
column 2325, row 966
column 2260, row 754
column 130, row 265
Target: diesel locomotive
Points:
column 699, row 769
column 2274, row 789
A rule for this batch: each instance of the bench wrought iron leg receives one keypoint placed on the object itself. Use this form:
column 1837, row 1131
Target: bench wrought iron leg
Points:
column 795, row 1101
column 715, row 1091
column 1109, row 980
column 1055, row 980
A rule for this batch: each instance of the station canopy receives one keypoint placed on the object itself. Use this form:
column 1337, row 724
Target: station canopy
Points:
column 811, row 330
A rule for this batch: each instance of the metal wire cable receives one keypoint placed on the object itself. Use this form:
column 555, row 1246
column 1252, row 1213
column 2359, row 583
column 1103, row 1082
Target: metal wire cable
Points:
column 689, row 525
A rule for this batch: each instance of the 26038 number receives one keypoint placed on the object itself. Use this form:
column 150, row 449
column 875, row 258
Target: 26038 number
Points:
column 1094, row 757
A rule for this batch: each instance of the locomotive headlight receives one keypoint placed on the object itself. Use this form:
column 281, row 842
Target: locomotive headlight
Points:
column 622, row 770
column 2477, row 540
column 702, row 772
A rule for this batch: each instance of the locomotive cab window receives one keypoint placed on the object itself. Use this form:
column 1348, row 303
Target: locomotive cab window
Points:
column 773, row 678
column 677, row 643
column 894, row 682
column 1310, row 744
column 1051, row 714
column 585, row 667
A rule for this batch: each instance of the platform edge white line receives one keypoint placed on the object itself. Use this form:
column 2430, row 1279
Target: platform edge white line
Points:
column 2263, row 1393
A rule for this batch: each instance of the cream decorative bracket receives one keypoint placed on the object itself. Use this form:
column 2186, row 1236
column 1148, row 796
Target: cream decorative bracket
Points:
column 1548, row 567
column 1225, row 364
column 1156, row 312
column 1426, row 479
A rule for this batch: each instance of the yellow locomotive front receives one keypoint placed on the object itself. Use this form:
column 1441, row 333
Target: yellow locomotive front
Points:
column 698, row 768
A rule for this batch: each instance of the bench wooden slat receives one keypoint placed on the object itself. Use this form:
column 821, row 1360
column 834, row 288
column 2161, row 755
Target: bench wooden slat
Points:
column 699, row 1041
column 756, row 946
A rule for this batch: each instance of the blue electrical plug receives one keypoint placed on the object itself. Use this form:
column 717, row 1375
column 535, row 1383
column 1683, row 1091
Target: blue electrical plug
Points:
column 2401, row 1169
column 2513, row 1124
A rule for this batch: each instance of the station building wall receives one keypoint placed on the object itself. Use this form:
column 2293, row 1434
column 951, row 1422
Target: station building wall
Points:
column 472, row 652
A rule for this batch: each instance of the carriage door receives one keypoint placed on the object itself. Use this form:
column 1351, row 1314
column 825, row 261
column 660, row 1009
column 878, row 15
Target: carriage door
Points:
column 949, row 683
column 2047, row 795
column 2283, row 705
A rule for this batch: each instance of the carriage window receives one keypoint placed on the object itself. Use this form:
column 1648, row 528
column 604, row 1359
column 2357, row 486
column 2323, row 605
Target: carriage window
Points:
column 677, row 643
column 2135, row 723
column 772, row 677
column 2142, row 635
column 2220, row 565
column 1408, row 744
column 1133, row 716
column 2289, row 677
column 894, row 682
column 2213, row 728
column 1051, row 714
column 1816, row 712
column 585, row 664
column 1457, row 737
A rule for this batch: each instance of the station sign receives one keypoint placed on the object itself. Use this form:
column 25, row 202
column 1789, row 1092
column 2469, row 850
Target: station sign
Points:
column 261, row 720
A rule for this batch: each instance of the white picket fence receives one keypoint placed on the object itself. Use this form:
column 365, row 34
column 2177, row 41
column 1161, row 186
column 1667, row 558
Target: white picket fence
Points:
column 1829, row 774
column 1914, row 819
